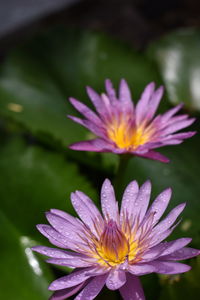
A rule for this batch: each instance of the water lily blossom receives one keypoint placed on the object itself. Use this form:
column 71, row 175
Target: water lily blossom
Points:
column 120, row 127
column 116, row 247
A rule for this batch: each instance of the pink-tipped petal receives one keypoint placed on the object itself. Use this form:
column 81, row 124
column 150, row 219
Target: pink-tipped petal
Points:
column 116, row 279
column 132, row 289
column 109, row 204
column 92, row 289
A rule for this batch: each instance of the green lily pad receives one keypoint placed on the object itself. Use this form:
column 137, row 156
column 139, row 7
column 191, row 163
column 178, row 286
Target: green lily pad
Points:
column 23, row 275
column 178, row 60
column 33, row 181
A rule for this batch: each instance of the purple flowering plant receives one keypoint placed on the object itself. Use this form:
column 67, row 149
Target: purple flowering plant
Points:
column 120, row 127
column 114, row 248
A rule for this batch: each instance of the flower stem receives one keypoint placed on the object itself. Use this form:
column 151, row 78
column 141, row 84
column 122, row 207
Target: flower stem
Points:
column 122, row 166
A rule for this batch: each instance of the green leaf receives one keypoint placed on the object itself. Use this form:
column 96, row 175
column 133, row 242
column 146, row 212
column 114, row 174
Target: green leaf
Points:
column 178, row 60
column 182, row 175
column 33, row 181
column 37, row 78
column 23, row 275
column 183, row 286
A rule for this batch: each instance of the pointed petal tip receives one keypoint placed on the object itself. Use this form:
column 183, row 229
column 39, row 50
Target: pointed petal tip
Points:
column 35, row 248
column 39, row 226
column 148, row 182
column 183, row 204
column 107, row 182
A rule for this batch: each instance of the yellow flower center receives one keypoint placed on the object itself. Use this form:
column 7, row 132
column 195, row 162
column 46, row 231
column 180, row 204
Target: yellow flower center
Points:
column 127, row 136
column 114, row 247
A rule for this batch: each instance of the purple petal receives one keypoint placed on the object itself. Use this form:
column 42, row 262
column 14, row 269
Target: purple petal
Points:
column 153, row 155
column 155, row 239
column 86, row 112
column 96, row 145
column 92, row 289
column 65, row 215
column 166, row 267
column 166, row 116
column 142, row 105
column 73, row 279
column 163, row 249
column 181, row 136
column 160, row 204
column 141, row 269
column 141, row 203
column 125, row 97
column 86, row 210
column 153, row 105
column 57, row 253
column 128, row 199
column 64, row 227
column 89, row 125
column 181, row 254
column 55, row 237
column 66, row 293
column 73, row 262
column 175, row 245
column 154, row 252
column 108, row 203
column 132, row 289
column 166, row 223
column 95, row 213
column 178, row 126
column 96, row 100
column 116, row 279
column 110, row 90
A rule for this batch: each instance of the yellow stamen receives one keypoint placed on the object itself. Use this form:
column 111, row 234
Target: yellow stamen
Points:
column 128, row 137
column 114, row 246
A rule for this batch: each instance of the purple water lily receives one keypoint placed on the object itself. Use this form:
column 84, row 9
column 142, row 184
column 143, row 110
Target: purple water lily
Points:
column 116, row 247
column 122, row 128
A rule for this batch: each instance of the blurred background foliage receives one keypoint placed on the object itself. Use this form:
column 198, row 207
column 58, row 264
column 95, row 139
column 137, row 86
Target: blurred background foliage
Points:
column 38, row 73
